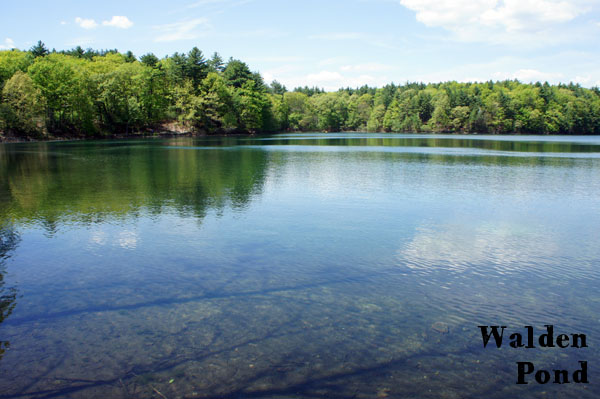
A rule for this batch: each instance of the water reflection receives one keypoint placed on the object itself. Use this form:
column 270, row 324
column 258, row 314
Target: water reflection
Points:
column 232, row 267
column 514, row 144
column 50, row 184
column 9, row 239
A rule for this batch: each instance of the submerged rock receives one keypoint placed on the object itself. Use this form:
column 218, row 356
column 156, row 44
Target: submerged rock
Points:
column 440, row 327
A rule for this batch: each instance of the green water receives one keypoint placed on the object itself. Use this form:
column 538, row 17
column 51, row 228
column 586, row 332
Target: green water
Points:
column 296, row 266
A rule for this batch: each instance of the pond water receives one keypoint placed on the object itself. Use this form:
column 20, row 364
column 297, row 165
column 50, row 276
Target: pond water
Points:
column 297, row 266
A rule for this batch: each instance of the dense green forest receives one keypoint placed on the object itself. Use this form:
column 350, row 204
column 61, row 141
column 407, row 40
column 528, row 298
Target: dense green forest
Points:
column 92, row 93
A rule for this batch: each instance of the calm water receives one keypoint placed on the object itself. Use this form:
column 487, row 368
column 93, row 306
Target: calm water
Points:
column 296, row 266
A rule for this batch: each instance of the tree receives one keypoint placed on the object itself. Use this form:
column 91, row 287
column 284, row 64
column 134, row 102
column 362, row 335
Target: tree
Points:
column 375, row 122
column 65, row 84
column 440, row 120
column 196, row 67
column 331, row 109
column 11, row 62
column 129, row 57
column 149, row 60
column 77, row 52
column 120, row 97
column 23, row 105
column 252, row 107
column 216, row 63
column 237, row 73
column 359, row 109
column 460, row 118
column 39, row 50
column 277, row 88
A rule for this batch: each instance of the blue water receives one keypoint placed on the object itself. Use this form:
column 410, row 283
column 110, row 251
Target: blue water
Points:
column 296, row 265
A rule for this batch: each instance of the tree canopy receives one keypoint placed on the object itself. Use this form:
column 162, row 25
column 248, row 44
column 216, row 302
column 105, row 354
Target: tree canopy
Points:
column 90, row 93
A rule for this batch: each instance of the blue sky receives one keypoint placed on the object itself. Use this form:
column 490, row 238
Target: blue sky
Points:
column 335, row 43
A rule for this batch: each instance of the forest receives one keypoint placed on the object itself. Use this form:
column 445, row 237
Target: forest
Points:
column 88, row 93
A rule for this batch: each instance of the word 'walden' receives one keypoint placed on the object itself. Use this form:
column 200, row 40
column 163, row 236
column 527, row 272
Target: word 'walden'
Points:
column 79, row 93
column 545, row 340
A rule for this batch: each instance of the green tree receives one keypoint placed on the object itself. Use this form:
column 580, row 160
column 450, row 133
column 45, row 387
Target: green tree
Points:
column 440, row 120
column 196, row 67
column 331, row 110
column 39, row 50
column 12, row 61
column 359, row 110
column 460, row 118
column 375, row 122
column 237, row 73
column 120, row 97
column 65, row 85
column 277, row 88
column 129, row 57
column 216, row 63
column 23, row 105
column 149, row 60
column 252, row 107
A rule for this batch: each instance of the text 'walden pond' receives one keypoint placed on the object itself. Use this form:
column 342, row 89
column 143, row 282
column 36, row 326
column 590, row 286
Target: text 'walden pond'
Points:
column 545, row 340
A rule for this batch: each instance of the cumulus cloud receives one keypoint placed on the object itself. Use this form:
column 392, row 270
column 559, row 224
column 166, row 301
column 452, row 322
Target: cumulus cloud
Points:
column 495, row 20
column 367, row 67
column 529, row 75
column 86, row 23
column 8, row 44
column 332, row 80
column 119, row 21
column 182, row 30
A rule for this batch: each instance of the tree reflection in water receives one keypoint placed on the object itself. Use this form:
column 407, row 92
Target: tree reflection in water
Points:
column 9, row 240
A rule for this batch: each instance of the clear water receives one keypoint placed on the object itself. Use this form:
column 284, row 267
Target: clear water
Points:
column 296, row 266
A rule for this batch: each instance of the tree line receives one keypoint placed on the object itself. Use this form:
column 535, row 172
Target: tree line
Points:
column 93, row 93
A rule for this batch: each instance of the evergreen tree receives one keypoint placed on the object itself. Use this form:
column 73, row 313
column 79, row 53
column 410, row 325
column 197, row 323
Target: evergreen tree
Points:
column 196, row 67
column 216, row 63
column 39, row 50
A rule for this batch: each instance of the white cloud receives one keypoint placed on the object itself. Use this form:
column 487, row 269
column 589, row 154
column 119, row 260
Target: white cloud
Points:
column 119, row 21
column 331, row 61
column 80, row 41
column 128, row 240
column 461, row 248
column 495, row 20
column 582, row 80
column 367, row 67
column 529, row 75
column 272, row 74
column 332, row 80
column 63, row 22
column 183, row 30
column 86, row 23
column 8, row 44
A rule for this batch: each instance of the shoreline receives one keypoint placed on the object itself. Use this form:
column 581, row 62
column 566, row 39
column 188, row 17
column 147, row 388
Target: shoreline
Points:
column 171, row 134
column 166, row 134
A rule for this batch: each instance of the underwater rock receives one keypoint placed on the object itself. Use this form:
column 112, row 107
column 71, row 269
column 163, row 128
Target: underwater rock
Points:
column 440, row 327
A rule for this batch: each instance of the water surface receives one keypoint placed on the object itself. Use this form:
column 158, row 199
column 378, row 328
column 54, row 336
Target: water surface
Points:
column 296, row 265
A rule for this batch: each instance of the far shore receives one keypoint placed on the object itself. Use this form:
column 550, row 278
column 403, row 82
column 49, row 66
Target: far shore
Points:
column 172, row 134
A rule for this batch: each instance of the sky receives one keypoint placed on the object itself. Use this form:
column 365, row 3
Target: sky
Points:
column 335, row 43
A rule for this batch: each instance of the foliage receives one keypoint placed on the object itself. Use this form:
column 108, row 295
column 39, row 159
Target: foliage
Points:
column 87, row 92
column 23, row 105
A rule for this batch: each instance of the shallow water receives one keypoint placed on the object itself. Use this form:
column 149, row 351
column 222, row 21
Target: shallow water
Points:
column 296, row 265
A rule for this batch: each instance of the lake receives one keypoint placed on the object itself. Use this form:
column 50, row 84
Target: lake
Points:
column 297, row 266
